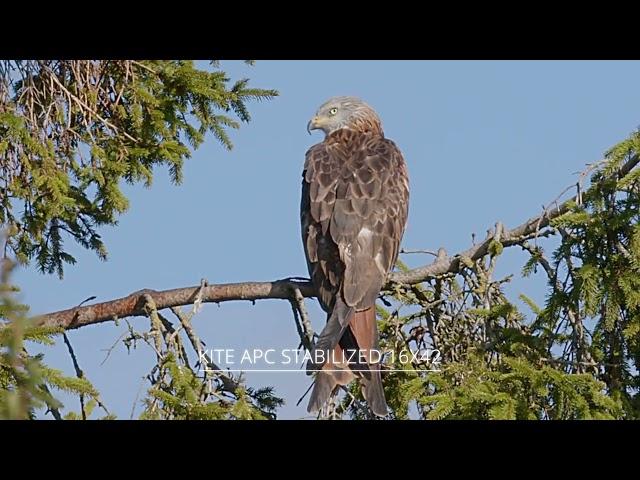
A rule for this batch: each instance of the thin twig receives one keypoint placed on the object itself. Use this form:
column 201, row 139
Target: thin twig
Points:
column 228, row 383
column 87, row 107
column 428, row 252
column 307, row 330
column 79, row 372
column 135, row 400
column 110, row 349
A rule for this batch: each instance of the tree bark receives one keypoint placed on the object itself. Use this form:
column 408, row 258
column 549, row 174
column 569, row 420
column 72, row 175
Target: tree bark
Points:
column 132, row 305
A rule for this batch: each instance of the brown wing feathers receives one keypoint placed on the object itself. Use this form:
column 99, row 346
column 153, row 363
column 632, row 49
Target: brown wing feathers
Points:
column 353, row 213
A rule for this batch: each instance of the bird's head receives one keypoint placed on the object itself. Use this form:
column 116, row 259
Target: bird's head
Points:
column 344, row 112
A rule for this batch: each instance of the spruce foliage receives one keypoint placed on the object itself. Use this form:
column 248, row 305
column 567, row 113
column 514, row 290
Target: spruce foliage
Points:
column 575, row 357
column 26, row 383
column 71, row 132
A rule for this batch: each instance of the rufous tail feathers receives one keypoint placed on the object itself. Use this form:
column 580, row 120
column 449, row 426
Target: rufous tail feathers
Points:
column 356, row 355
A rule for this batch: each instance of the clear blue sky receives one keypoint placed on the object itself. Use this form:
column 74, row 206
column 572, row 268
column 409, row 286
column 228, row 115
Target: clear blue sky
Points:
column 484, row 141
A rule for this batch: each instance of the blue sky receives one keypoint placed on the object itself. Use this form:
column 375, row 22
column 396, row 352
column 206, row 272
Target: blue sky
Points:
column 484, row 141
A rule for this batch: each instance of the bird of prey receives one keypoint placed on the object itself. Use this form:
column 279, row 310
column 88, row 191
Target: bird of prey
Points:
column 355, row 198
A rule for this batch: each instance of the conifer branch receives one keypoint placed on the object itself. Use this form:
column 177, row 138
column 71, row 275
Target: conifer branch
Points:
column 134, row 304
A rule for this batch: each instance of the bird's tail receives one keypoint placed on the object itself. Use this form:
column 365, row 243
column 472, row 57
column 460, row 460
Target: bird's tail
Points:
column 374, row 394
column 365, row 333
column 356, row 355
column 333, row 373
column 334, row 329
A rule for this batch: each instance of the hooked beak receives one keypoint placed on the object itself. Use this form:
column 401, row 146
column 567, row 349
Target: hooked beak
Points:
column 313, row 124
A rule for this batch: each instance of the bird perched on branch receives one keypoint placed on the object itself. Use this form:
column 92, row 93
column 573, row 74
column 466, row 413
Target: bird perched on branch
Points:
column 355, row 197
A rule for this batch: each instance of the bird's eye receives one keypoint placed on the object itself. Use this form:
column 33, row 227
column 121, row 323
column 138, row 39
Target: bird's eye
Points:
column 333, row 111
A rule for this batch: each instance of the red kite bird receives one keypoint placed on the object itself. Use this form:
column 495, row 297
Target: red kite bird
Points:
column 355, row 198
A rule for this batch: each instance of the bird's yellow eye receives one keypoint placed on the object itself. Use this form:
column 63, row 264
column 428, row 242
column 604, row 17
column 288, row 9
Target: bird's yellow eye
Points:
column 333, row 111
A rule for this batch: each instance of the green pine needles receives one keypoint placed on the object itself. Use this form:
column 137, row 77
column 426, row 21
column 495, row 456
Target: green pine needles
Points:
column 72, row 131
column 576, row 357
column 26, row 383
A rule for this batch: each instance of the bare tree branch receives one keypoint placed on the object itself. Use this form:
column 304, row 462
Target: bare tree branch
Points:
column 428, row 252
column 301, row 318
column 134, row 304
column 79, row 372
column 509, row 238
column 185, row 319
